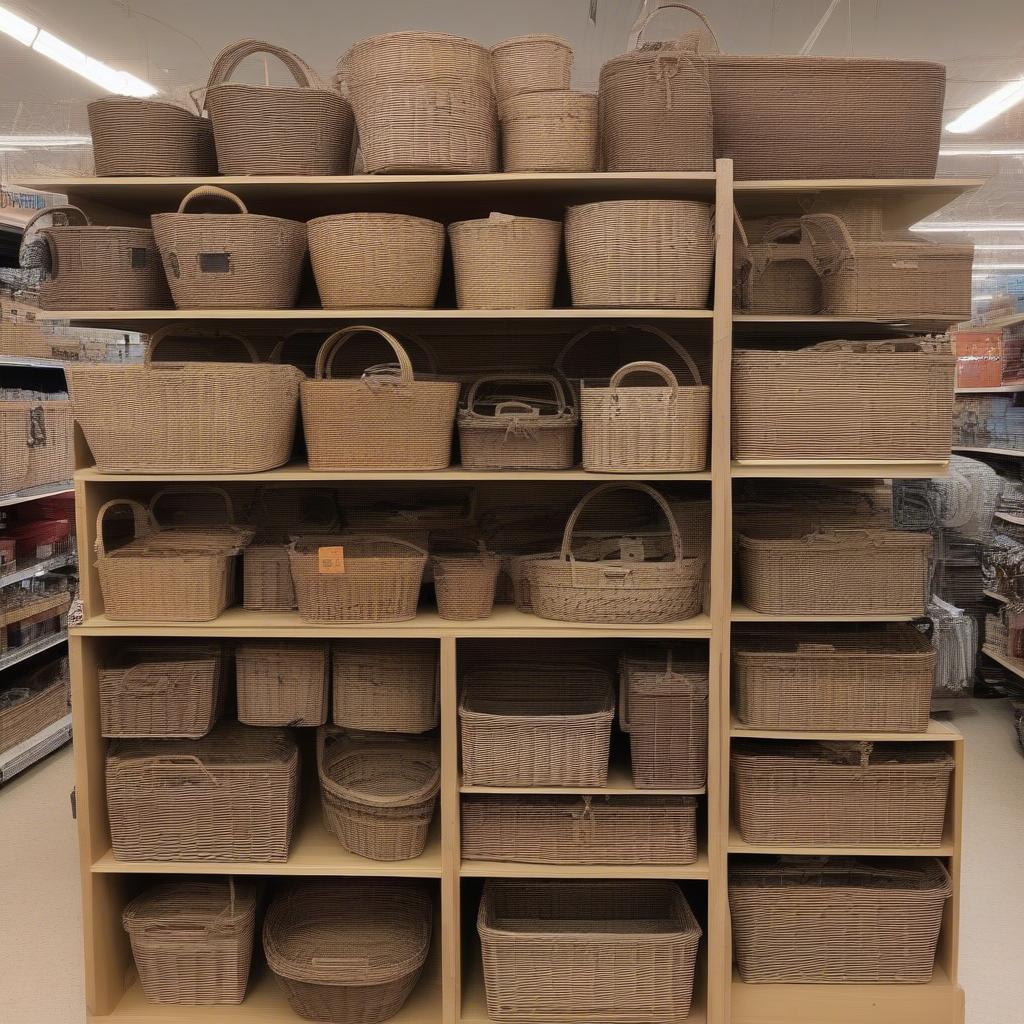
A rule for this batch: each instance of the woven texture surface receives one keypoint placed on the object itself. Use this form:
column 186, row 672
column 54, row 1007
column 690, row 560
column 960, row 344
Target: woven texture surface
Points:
column 529, row 64
column 775, row 274
column 550, row 131
column 282, row 682
column 465, row 585
column 44, row 697
column 37, row 442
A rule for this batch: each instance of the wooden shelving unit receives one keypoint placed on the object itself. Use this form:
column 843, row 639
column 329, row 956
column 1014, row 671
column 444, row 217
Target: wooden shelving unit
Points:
column 452, row 991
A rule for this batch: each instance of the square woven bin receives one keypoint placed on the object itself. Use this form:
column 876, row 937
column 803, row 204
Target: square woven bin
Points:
column 844, row 922
column 840, row 794
column 607, row 950
column 37, row 442
column 45, row 700
column 282, row 682
column 876, row 678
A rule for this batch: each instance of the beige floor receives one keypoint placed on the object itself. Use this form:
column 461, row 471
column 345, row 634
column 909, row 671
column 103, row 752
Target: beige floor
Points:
column 41, row 962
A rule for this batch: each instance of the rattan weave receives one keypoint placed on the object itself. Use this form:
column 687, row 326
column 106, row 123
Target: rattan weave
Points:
column 776, row 274
column 465, row 584
column 282, row 682
column 31, row 701
column 550, row 131
column 37, row 439
column 529, row 64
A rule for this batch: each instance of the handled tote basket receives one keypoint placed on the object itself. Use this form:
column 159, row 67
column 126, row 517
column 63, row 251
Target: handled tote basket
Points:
column 260, row 129
column 282, row 682
column 530, row 64
column 776, row 273
column 385, row 419
column 550, row 132
column 37, row 439
column 620, row 589
column 235, row 260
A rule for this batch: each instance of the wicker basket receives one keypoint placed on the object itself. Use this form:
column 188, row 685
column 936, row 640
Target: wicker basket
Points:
column 618, row 589
column 465, row 584
column 606, row 949
column 504, row 262
column 348, row 950
column 533, row 724
column 282, row 682
column 776, row 274
column 149, row 138
column 579, row 829
column 85, row 266
column 656, row 105
column 550, row 131
column 889, row 401
column 260, row 129
column 31, row 701
column 662, row 429
column 37, row 439
column 379, row 792
column 382, row 420
column 663, row 706
column 231, row 796
column 640, row 253
column 376, row 260
column 840, row 794
column 166, row 691
column 844, row 922
column 881, row 572
column 874, row 678
column 529, row 64
column 892, row 280
column 187, row 417
column 192, row 940
column 233, row 260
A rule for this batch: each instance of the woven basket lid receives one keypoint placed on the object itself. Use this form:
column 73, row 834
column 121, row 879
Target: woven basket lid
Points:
column 190, row 905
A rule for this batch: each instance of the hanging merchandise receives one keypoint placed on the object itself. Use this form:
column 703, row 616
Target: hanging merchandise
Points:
column 550, row 131
column 527, row 64
column 955, row 639
column 965, row 500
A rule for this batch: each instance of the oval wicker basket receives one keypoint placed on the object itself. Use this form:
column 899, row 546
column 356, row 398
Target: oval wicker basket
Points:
column 532, row 63
column 550, row 131
column 465, row 584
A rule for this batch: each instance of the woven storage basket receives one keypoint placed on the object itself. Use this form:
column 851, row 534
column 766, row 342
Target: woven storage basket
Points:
column 231, row 796
column 874, row 678
column 776, row 274
column 844, row 922
column 260, row 129
column 380, row 583
column 661, row 429
column 36, row 699
column 640, row 253
column 656, row 105
column 385, row 419
column 348, row 950
column 617, row 589
column 379, row 792
column 529, row 64
column 504, row 427
column 465, row 584
column 376, row 260
column 663, row 706
column 536, row 725
column 840, row 794
column 85, row 266
column 579, row 829
column 587, row 950
column 854, row 571
column 550, row 131
column 192, row 940
column 37, row 439
column 505, row 262
column 187, row 417
column 282, row 682
column 149, row 138
column 168, row 691
column 855, row 400
column 234, row 260
column 888, row 279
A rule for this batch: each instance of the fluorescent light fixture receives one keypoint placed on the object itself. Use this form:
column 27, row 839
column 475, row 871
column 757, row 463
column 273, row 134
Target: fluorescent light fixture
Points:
column 982, row 151
column 971, row 226
column 43, row 141
column 1002, row 248
column 979, row 298
column 17, row 28
column 999, row 266
column 991, row 106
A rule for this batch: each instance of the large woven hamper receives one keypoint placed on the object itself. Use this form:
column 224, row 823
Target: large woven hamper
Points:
column 841, row 922
column 556, row 951
column 231, row 796
column 31, row 701
column 192, row 940
column 348, row 950
column 37, row 441
column 282, row 682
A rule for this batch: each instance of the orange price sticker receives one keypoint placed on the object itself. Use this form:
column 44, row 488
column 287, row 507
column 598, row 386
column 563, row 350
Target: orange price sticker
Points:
column 331, row 560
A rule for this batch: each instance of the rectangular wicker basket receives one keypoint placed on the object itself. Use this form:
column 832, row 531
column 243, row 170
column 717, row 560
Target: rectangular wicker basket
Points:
column 47, row 702
column 282, row 682
column 37, row 441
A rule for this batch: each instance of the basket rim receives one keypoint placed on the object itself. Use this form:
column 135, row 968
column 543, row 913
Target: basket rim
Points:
column 374, row 215
column 537, row 37
column 143, row 910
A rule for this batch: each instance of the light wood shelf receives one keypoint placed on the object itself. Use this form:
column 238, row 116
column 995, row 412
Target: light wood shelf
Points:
column 837, row 469
column 737, row 845
column 699, row 870
column 936, row 732
column 1002, row 389
column 1010, row 664
column 1007, row 453
column 741, row 613
column 1009, row 517
column 620, row 783
column 996, row 596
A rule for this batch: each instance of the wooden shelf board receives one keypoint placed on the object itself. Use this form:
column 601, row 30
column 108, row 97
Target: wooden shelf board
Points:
column 506, row 869
column 31, row 493
column 1004, row 389
column 999, row 322
column 620, row 783
column 836, row 469
column 1009, row 517
column 996, row 596
column 736, row 845
column 920, row 321
column 741, row 613
column 1010, row 664
column 936, row 731
column 1009, row 453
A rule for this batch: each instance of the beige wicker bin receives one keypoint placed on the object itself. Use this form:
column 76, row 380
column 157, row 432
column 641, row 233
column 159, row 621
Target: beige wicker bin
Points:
column 843, row 922
column 776, row 274
column 37, row 439
column 282, row 682
column 555, row 951
column 530, row 64
column 550, row 132
column 32, row 701
column 465, row 584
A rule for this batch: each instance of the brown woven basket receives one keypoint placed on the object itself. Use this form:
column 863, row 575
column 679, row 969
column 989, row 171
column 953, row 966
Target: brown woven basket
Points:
column 192, row 940
column 876, row 678
column 602, row 949
column 231, row 796
column 379, row 792
column 776, row 274
column 282, row 682
column 262, row 129
column 656, row 104
column 31, row 701
column 579, row 829
column 386, row 419
column 505, row 262
column 550, row 131
column 234, row 260
column 149, row 138
column 37, row 439
column 640, row 253
column 529, row 64
column 844, row 922
column 348, row 950
column 840, row 794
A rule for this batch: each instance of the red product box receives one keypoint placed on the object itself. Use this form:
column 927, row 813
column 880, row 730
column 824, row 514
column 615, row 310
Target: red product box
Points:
column 979, row 372
column 979, row 343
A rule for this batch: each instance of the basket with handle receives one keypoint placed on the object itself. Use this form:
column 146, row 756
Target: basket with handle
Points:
column 629, row 589
column 550, row 132
column 661, row 429
column 465, row 584
column 527, row 64
column 229, row 260
column 282, row 682
column 37, row 439
column 305, row 128
column 656, row 104
column 385, row 419
column 776, row 274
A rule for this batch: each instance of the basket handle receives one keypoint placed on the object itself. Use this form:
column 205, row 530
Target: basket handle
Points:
column 64, row 216
column 520, row 378
column 614, row 328
column 61, row 216
column 227, row 61
column 830, row 241
column 212, row 192
column 142, row 523
column 229, row 508
column 190, row 759
column 782, row 228
column 644, row 366
column 156, row 681
column 205, row 333
column 624, row 723
column 680, row 7
column 328, row 350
